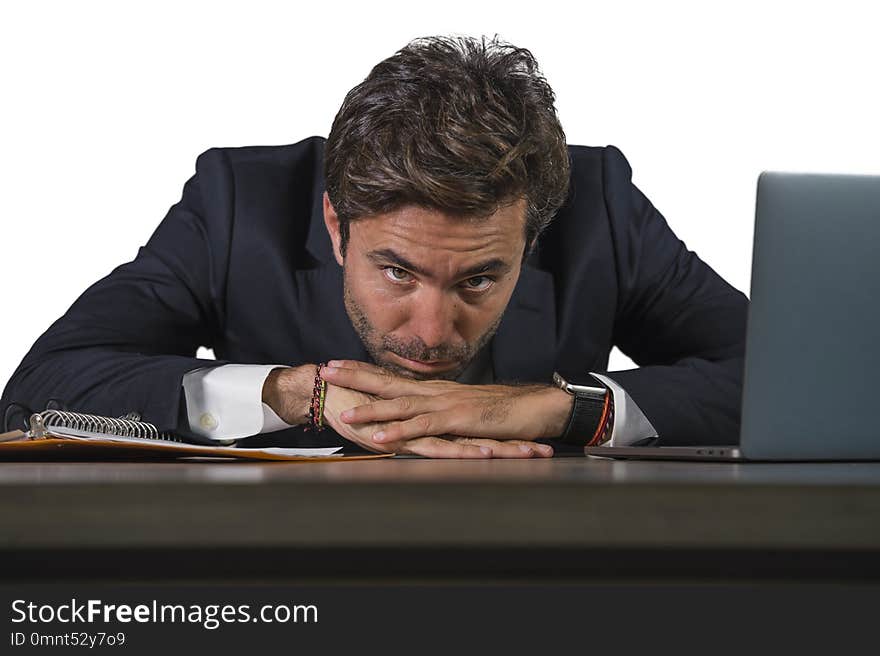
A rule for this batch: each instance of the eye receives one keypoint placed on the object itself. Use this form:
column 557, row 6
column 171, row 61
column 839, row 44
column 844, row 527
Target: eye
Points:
column 396, row 274
column 478, row 283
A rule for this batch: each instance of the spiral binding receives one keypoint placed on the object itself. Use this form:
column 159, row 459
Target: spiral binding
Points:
column 95, row 425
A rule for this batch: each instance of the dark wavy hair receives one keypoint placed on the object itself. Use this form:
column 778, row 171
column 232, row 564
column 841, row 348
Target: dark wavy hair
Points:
column 451, row 124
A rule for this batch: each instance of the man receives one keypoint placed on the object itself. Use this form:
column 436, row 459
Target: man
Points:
column 444, row 251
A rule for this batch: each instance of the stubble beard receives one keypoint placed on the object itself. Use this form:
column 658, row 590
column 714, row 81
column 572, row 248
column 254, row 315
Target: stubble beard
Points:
column 377, row 344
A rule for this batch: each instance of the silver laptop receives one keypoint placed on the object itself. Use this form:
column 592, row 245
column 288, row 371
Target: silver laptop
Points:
column 812, row 369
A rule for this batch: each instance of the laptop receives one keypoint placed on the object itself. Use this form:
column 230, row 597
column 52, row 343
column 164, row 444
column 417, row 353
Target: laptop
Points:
column 811, row 387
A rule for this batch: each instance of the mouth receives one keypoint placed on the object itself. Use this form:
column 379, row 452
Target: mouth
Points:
column 425, row 366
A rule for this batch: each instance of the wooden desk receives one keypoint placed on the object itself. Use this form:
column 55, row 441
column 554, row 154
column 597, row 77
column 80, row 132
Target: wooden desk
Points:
column 414, row 519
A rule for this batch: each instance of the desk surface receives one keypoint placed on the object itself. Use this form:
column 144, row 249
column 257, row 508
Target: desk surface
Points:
column 569, row 504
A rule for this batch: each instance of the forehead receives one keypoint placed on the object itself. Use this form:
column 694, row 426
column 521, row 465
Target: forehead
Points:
column 431, row 233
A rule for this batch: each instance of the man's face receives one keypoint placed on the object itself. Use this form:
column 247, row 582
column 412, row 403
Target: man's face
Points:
column 425, row 291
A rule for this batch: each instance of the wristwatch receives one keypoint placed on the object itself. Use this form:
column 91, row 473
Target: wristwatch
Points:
column 586, row 412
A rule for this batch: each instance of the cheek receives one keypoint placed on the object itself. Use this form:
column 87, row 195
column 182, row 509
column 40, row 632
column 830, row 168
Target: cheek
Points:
column 480, row 316
column 384, row 309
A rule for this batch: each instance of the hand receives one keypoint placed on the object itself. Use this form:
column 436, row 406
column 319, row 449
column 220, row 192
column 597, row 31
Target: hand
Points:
column 411, row 409
column 338, row 400
column 288, row 391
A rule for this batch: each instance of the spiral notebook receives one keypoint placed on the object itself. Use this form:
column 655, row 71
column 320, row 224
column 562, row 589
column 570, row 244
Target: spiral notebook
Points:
column 62, row 435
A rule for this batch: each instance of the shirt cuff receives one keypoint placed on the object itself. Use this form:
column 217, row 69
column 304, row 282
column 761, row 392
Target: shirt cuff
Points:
column 630, row 423
column 226, row 402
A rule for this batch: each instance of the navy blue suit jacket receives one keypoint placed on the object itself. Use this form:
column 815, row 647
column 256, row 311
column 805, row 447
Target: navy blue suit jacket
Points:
column 243, row 264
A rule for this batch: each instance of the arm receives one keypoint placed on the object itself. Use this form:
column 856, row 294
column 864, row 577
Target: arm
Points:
column 221, row 403
column 677, row 319
column 125, row 344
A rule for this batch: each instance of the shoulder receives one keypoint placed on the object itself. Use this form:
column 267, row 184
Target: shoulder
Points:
column 606, row 165
column 307, row 154
column 599, row 212
column 600, row 182
column 276, row 181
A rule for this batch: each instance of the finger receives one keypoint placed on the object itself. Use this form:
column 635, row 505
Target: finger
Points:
column 423, row 387
column 403, row 407
column 435, row 447
column 380, row 383
column 423, row 425
column 540, row 450
column 511, row 448
column 352, row 364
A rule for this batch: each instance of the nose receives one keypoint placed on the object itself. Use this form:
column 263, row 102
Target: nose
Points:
column 433, row 317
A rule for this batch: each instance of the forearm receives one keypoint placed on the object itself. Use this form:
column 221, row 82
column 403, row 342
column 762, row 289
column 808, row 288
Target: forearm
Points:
column 288, row 392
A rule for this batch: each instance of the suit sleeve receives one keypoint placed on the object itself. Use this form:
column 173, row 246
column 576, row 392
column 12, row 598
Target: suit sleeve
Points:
column 677, row 319
column 124, row 345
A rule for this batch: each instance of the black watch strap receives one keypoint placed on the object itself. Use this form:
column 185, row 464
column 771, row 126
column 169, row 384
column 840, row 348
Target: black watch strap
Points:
column 586, row 413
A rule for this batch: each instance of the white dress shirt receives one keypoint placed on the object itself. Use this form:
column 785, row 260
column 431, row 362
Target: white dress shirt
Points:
column 226, row 402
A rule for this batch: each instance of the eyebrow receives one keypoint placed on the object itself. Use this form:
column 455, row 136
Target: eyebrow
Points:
column 385, row 255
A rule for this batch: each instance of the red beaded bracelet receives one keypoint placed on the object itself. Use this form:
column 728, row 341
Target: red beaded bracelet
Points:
column 606, row 423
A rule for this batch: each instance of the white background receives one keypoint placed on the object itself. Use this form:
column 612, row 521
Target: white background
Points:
column 105, row 106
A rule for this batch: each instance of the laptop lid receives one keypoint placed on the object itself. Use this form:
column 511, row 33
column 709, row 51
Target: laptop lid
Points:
column 812, row 371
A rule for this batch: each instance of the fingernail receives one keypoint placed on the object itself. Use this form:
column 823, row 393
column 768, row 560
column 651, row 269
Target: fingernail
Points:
column 329, row 370
column 348, row 414
column 378, row 437
column 486, row 450
column 545, row 448
column 526, row 449
column 334, row 363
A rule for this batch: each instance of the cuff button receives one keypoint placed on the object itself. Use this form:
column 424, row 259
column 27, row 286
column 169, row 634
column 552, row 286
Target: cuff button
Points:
column 208, row 421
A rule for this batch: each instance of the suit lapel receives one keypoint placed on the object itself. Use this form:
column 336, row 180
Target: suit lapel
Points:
column 524, row 348
column 318, row 241
column 325, row 325
column 320, row 290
